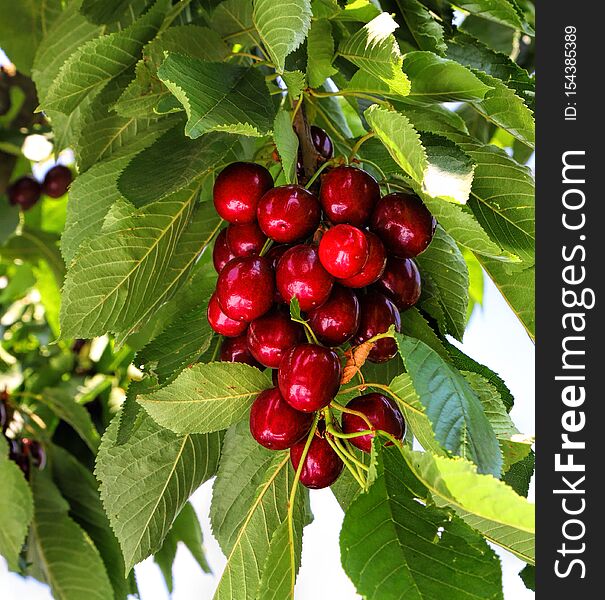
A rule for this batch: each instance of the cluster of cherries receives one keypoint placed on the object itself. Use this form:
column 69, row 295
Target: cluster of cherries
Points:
column 346, row 256
column 26, row 191
column 24, row 451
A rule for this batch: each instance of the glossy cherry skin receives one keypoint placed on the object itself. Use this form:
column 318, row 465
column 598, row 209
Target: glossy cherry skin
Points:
column 24, row 192
column 236, row 350
column 404, row 224
column 309, row 377
column 383, row 414
column 400, row 282
column 271, row 335
column 336, row 320
column 221, row 253
column 245, row 239
column 221, row 323
column 348, row 195
column 377, row 314
column 246, row 287
column 288, row 213
column 344, row 251
column 300, row 274
column 56, row 181
column 274, row 424
column 322, row 142
column 374, row 266
column 237, row 190
column 322, row 466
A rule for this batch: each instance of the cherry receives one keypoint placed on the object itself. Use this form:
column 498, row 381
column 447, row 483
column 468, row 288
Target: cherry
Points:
column 400, row 282
column 274, row 424
column 220, row 322
column 374, row 267
column 34, row 450
column 245, row 288
column 237, row 190
column 344, row 251
column 309, row 376
column 24, row 192
column 336, row 320
column 322, row 466
column 288, row 213
column 377, row 314
column 348, row 195
column 221, row 253
column 271, row 335
column 4, row 410
column 57, row 181
column 274, row 255
column 236, row 350
column 300, row 274
column 382, row 412
column 17, row 455
column 245, row 239
column 322, row 142
column 404, row 224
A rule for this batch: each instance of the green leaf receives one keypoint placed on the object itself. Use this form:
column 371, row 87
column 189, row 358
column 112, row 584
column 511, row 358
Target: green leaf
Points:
column 505, row 12
column 282, row 27
column 320, row 52
column 218, row 96
column 9, row 219
column 16, row 506
column 287, row 144
column 146, row 481
column 393, row 547
column 519, row 475
column 528, row 576
column 207, row 397
column 413, row 324
column 295, row 81
column 142, row 95
column 104, row 11
column 426, row 31
column 457, row 416
column 233, row 21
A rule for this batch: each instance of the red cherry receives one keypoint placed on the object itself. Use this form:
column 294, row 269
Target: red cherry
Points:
column 374, row 267
column 288, row 213
column 377, row 314
column 245, row 239
column 56, row 181
column 237, row 190
column 221, row 253
column 274, row 424
column 309, row 376
column 271, row 335
column 348, row 195
column 400, row 282
column 34, row 450
column 24, row 192
column 221, row 323
column 322, row 142
column 322, row 466
column 236, row 350
column 383, row 414
column 336, row 320
column 343, row 251
column 300, row 274
column 404, row 224
column 245, row 288
column 274, row 255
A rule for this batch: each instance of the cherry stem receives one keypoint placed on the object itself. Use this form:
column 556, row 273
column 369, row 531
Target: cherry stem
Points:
column 336, row 406
column 384, row 388
column 319, row 172
column 246, row 55
column 353, row 93
column 216, row 348
column 311, row 337
column 266, row 247
column 359, row 143
column 297, row 107
column 345, row 460
column 349, row 436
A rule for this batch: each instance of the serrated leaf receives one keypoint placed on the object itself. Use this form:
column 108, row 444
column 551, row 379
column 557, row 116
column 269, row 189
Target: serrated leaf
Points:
column 286, row 142
column 426, row 31
column 282, row 27
column 320, row 52
column 104, row 11
column 145, row 482
column 233, row 20
column 142, row 95
column 207, row 397
column 413, row 324
column 505, row 12
column 131, row 414
column 295, row 81
column 519, row 475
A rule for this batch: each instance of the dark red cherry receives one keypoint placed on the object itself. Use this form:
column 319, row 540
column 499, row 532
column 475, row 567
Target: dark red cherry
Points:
column 348, row 195
column 56, row 181
column 309, row 376
column 221, row 323
column 274, row 255
column 404, row 224
column 322, row 142
column 288, row 213
column 383, row 414
column 300, row 274
column 336, row 320
column 377, row 314
column 245, row 239
column 271, row 335
column 221, row 253
column 274, row 377
column 322, row 466
column 344, row 251
column 24, row 192
column 246, row 287
column 274, row 424
column 374, row 266
column 237, row 190
column 34, row 451
column 236, row 350
column 400, row 282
